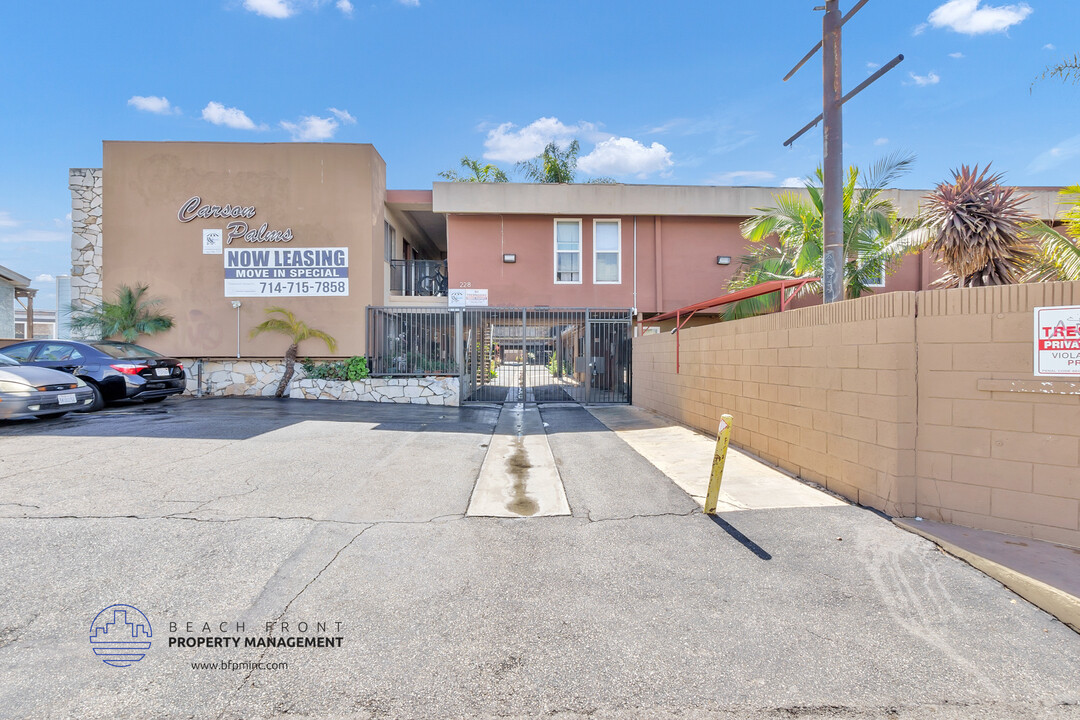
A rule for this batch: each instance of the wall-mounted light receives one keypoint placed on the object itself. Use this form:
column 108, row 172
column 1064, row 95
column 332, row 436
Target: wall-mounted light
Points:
column 509, row 258
column 723, row 259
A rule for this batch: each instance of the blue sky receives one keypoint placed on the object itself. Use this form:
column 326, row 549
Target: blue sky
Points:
column 684, row 92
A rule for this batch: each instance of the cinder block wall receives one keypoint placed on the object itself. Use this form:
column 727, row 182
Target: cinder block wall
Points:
column 997, row 448
column 826, row 392
column 911, row 403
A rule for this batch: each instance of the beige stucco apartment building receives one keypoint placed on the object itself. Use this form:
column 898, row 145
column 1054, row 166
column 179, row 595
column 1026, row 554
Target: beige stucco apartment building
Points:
column 222, row 231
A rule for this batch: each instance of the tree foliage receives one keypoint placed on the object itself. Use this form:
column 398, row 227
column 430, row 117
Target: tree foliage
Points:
column 788, row 239
column 297, row 331
column 475, row 172
column 1066, row 70
column 131, row 314
column 553, row 165
column 978, row 229
column 1058, row 255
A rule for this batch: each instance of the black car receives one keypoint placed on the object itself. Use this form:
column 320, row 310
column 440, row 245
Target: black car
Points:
column 113, row 370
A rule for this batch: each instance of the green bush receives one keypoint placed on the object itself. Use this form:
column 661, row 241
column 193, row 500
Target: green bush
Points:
column 353, row 369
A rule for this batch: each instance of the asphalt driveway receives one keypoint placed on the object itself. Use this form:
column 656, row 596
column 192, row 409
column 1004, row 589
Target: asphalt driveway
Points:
column 217, row 517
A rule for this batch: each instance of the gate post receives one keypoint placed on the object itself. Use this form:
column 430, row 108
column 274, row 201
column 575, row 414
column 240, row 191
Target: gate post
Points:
column 459, row 345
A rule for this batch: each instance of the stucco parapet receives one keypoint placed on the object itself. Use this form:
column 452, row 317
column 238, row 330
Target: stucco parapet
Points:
column 625, row 200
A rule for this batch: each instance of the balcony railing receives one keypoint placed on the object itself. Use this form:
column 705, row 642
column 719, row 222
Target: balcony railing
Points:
column 418, row 278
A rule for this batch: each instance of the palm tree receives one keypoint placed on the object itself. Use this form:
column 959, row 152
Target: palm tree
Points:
column 977, row 229
column 480, row 173
column 131, row 315
column 788, row 238
column 1058, row 256
column 297, row 331
column 1068, row 69
column 553, row 165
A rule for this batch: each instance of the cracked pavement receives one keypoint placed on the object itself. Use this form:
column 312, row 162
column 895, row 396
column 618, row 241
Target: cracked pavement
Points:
column 636, row 605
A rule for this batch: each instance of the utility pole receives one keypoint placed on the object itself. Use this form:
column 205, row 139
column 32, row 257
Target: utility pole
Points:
column 833, row 99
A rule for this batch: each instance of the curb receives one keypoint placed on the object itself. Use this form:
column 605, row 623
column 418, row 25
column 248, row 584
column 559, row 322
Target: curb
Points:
column 1060, row 604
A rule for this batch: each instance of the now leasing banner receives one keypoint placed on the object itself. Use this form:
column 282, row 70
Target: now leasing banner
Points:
column 293, row 272
column 1057, row 341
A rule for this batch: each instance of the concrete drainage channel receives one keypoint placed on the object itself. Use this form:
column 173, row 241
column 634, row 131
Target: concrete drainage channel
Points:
column 518, row 477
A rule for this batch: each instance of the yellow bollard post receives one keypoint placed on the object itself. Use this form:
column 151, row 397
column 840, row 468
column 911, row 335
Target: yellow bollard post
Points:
column 723, row 435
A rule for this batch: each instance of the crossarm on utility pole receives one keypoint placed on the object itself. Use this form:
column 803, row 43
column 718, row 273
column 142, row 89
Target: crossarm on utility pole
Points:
column 861, row 86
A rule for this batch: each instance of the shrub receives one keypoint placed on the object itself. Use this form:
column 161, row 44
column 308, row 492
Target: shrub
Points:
column 353, row 369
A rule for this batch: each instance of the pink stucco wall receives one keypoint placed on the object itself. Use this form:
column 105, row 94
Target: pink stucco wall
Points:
column 684, row 248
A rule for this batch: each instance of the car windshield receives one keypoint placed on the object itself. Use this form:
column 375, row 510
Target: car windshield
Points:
column 124, row 350
column 5, row 360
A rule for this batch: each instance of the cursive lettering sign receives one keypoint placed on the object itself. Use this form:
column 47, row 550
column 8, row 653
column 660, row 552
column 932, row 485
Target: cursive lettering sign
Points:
column 194, row 208
column 239, row 229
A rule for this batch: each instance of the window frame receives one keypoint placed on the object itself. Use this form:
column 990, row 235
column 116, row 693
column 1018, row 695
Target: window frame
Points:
column 884, row 275
column 617, row 252
column 389, row 241
column 556, row 251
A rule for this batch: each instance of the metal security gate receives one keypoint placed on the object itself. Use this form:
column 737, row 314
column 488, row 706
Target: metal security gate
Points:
column 508, row 354
column 547, row 355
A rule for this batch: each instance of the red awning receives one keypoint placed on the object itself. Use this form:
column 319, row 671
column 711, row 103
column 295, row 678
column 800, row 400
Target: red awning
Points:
column 762, row 289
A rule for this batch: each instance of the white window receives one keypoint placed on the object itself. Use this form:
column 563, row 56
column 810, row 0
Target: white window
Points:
column 607, row 252
column 568, row 252
column 878, row 279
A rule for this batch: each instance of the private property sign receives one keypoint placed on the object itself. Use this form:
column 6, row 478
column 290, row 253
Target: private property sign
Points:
column 1057, row 341
column 292, row 272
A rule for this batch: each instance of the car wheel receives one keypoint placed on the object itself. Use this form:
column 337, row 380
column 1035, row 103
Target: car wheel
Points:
column 155, row 399
column 48, row 416
column 99, row 399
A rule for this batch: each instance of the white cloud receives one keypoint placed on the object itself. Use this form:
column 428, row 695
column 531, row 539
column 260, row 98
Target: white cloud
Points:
column 270, row 8
column 311, row 128
column 218, row 114
column 1049, row 46
column 872, row 65
column 507, row 144
column 343, row 115
column 793, row 182
column 741, row 177
column 152, row 104
column 6, row 220
column 956, row 55
column 930, row 78
column 970, row 17
column 44, row 278
column 345, row 7
column 626, row 156
column 882, row 141
column 1061, row 153
column 409, row 3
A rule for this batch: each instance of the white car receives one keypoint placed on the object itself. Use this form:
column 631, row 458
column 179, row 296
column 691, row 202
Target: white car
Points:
column 27, row 391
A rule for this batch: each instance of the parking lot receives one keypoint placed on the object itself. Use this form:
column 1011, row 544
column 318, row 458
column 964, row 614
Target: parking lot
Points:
column 227, row 518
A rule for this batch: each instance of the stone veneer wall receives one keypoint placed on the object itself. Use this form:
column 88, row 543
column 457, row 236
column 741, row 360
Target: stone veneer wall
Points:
column 7, row 310
column 260, row 378
column 85, row 186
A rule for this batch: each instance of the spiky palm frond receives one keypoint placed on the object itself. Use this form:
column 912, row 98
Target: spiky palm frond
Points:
column 295, row 329
column 1058, row 254
column 478, row 172
column 788, row 238
column 977, row 229
column 130, row 315
column 553, row 165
